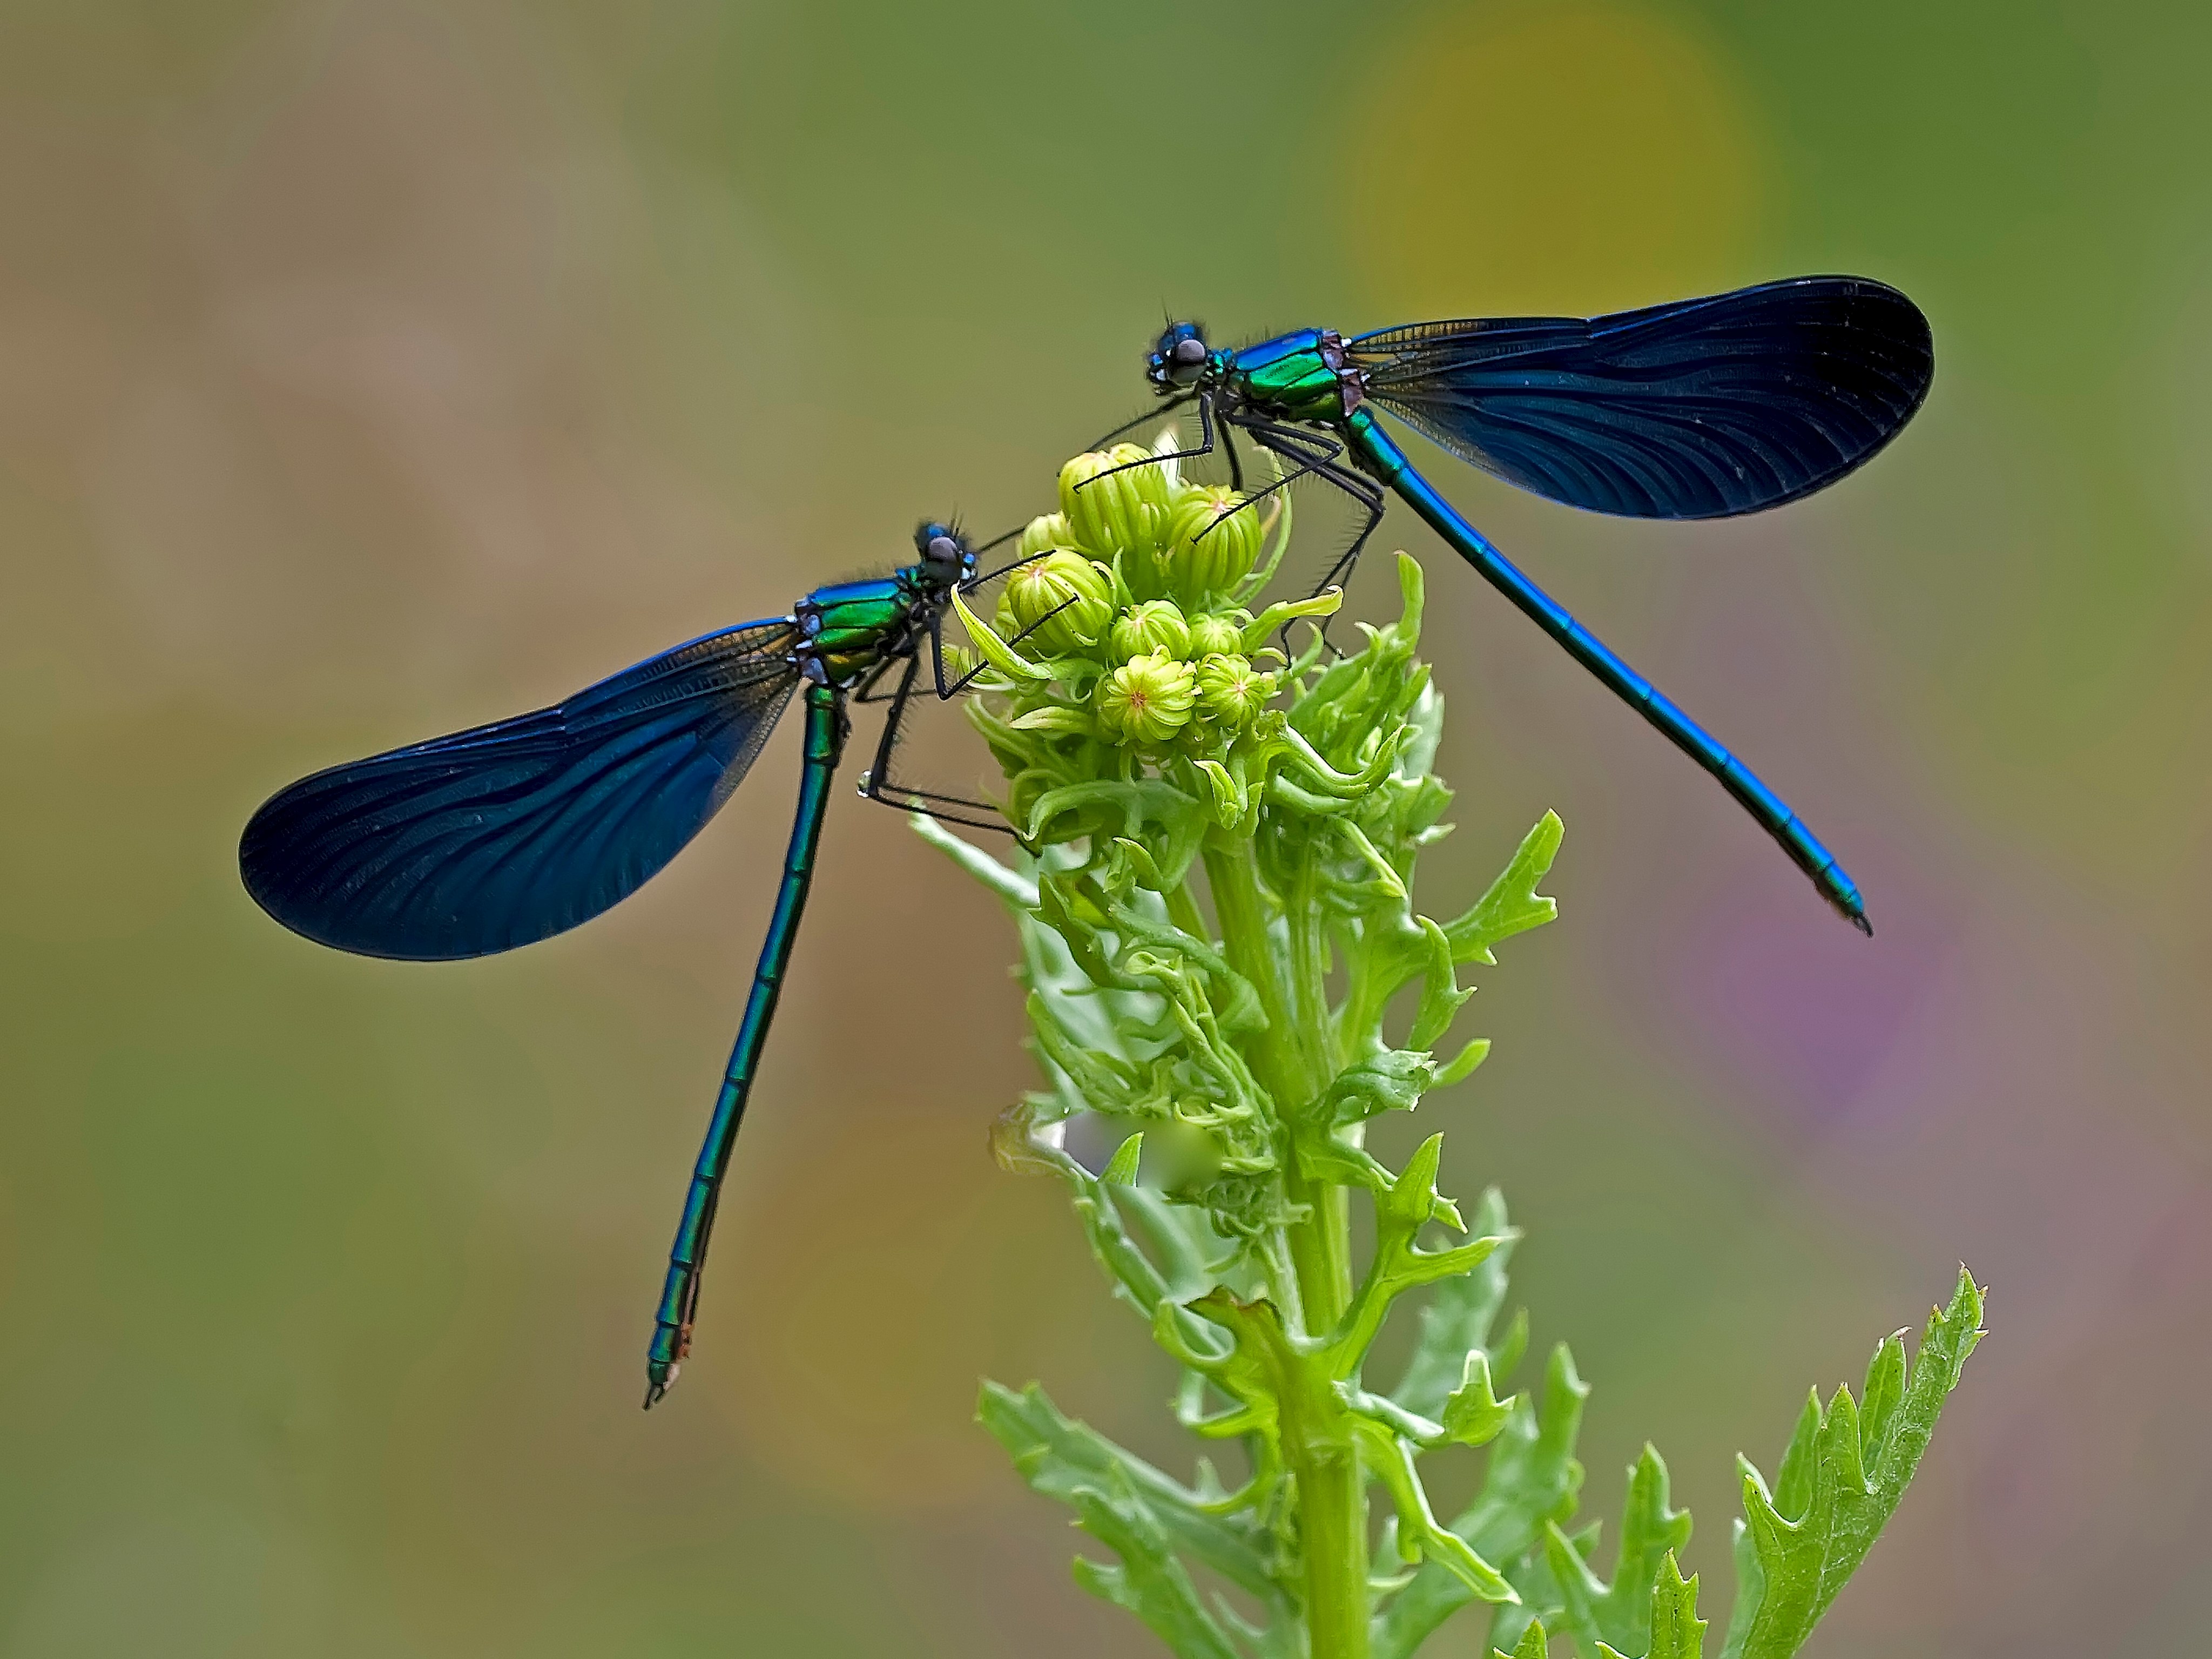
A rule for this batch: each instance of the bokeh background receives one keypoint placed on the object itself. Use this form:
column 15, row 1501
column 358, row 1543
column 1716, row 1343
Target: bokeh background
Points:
column 369, row 369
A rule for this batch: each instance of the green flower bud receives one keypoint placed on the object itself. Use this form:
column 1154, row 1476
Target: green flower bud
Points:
column 1115, row 513
column 1230, row 691
column 1218, row 633
column 1146, row 702
column 1050, row 530
column 1063, row 597
column 1154, row 625
column 1211, row 541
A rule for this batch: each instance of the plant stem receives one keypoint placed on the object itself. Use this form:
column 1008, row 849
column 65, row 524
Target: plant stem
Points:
column 1292, row 1062
column 1333, row 1534
column 1321, row 1257
column 1311, row 1026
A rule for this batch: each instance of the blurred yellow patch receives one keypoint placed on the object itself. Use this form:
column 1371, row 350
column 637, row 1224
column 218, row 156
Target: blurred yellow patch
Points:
column 1519, row 158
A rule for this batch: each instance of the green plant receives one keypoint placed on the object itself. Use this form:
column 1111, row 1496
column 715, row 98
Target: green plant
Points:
column 1149, row 732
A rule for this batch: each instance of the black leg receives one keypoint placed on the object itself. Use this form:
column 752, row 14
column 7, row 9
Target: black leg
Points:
column 936, row 635
column 1317, row 454
column 1146, row 419
column 1004, row 569
column 1205, row 447
column 1369, row 495
column 866, row 690
column 945, row 692
column 902, row 799
column 877, row 785
column 1302, row 444
column 1309, row 450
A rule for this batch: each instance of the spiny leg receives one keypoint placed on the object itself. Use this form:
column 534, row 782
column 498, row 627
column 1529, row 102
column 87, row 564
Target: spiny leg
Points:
column 865, row 691
column 1307, row 462
column 1144, row 419
column 967, row 679
column 1236, row 461
column 1205, row 447
column 878, row 787
column 1370, row 496
column 1317, row 454
column 901, row 799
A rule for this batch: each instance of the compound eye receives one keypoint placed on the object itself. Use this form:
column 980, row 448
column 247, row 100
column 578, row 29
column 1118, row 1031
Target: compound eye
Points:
column 1189, row 353
column 942, row 550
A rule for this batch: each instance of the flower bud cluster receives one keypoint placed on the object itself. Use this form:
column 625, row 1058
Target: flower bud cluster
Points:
column 1126, row 606
column 1125, row 507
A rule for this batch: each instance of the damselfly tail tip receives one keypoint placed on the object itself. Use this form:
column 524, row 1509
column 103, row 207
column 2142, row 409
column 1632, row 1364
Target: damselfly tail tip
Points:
column 658, row 1383
column 1861, row 922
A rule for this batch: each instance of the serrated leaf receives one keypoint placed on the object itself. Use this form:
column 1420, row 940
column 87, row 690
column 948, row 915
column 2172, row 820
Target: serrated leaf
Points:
column 1533, row 1478
column 1793, row 1481
column 1473, row 1415
column 1512, row 905
column 1060, row 1456
column 1677, row 1633
column 1462, row 1066
column 1884, row 1387
column 1440, row 996
column 1790, row 1567
column 1409, row 1204
column 1390, row 1458
column 1532, row 1644
column 1392, row 1081
column 1592, row 1610
column 1457, row 1319
column 1149, row 1581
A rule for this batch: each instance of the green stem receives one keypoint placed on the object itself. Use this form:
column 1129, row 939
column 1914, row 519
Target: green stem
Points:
column 1291, row 1059
column 1333, row 1533
column 1280, row 1066
column 1308, row 966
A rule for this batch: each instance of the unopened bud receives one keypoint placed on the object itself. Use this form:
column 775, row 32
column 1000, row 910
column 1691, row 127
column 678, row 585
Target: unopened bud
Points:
column 1156, row 625
column 1054, row 605
column 1049, row 530
column 1230, row 691
column 1115, row 512
column 1218, row 633
column 1211, row 542
column 1146, row 702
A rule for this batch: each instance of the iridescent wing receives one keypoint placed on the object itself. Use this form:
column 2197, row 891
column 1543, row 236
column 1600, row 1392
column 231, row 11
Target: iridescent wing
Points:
column 1698, row 410
column 508, row 832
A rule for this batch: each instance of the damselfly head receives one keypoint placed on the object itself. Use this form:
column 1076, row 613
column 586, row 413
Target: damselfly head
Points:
column 947, row 559
column 1177, row 358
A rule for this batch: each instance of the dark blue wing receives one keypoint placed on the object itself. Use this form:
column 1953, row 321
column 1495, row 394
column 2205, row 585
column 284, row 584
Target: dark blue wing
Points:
column 1698, row 410
column 511, row 832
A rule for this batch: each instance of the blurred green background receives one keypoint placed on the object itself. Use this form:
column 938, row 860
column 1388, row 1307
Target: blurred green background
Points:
column 367, row 370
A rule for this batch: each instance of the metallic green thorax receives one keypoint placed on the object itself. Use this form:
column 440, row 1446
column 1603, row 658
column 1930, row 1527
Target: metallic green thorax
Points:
column 850, row 628
column 1302, row 376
